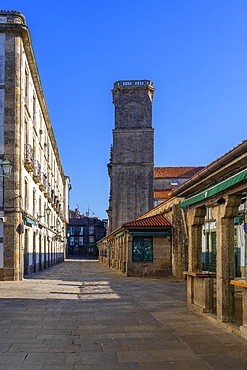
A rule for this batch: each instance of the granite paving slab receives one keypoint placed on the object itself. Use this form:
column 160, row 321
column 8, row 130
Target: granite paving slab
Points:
column 82, row 315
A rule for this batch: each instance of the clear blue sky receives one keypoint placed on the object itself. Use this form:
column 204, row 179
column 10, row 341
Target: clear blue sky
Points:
column 194, row 51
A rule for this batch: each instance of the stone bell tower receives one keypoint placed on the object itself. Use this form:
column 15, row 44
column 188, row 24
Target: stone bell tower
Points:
column 131, row 167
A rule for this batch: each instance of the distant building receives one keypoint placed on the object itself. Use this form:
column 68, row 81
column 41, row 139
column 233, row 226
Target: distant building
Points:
column 83, row 233
column 167, row 179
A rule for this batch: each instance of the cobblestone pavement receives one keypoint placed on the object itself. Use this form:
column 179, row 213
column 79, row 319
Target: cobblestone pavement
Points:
column 82, row 315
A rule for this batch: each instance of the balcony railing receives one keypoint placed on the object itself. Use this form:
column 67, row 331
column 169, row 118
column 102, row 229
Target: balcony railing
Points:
column 37, row 172
column 28, row 158
column 48, row 188
column 43, row 182
column 48, row 191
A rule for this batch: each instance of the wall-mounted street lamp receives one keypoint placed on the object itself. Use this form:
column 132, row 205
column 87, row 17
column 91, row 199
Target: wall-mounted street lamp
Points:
column 47, row 213
column 6, row 167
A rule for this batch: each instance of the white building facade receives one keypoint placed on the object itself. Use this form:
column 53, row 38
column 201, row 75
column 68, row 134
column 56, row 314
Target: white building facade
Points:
column 34, row 198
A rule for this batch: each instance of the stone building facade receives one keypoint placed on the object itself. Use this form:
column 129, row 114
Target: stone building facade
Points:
column 83, row 233
column 34, row 199
column 131, row 167
column 166, row 179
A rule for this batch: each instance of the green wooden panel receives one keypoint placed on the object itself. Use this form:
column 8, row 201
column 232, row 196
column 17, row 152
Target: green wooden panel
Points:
column 142, row 249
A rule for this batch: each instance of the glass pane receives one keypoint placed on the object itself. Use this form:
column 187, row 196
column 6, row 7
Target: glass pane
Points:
column 147, row 249
column 137, row 254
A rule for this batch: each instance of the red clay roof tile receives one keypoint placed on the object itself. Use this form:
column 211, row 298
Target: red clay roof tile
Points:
column 152, row 221
column 187, row 172
column 162, row 194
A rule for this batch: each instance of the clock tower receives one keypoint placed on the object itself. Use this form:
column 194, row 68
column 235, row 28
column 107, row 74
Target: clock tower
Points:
column 131, row 164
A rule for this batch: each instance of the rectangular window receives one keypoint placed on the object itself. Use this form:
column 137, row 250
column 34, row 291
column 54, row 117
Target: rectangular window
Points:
column 142, row 249
column 26, row 195
column 81, row 230
column 91, row 230
column 34, row 110
column 91, row 239
column 34, row 202
column 40, row 206
column 80, row 240
column 26, row 85
column 72, row 241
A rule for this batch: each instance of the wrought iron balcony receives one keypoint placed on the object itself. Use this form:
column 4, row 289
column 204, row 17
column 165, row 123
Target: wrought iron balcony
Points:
column 43, row 182
column 48, row 191
column 37, row 172
column 28, row 158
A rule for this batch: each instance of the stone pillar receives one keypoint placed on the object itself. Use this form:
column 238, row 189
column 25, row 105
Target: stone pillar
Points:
column 224, row 215
column 128, row 246
column 195, row 220
column 243, row 328
column 179, row 242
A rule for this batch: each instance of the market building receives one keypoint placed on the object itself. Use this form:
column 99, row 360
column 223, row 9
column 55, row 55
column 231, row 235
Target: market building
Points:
column 34, row 198
column 139, row 248
column 215, row 208
column 208, row 214
column 208, row 232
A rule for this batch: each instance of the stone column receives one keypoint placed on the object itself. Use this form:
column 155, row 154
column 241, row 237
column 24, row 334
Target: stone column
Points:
column 224, row 215
column 195, row 220
column 243, row 328
column 128, row 246
column 179, row 242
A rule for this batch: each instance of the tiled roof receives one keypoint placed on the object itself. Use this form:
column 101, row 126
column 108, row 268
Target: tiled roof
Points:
column 212, row 167
column 173, row 172
column 153, row 221
column 162, row 194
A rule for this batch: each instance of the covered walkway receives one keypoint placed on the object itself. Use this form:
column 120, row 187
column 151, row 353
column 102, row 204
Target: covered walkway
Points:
column 82, row 315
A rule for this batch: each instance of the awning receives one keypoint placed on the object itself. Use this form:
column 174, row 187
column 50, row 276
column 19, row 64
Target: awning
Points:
column 30, row 222
column 215, row 189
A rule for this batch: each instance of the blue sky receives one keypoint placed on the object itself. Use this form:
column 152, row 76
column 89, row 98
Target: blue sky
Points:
column 194, row 51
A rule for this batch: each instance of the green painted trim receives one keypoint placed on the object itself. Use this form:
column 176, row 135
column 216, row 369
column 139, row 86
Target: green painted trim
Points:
column 150, row 233
column 119, row 234
column 241, row 176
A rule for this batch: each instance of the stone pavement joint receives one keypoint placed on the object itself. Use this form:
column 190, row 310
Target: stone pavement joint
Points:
column 82, row 315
